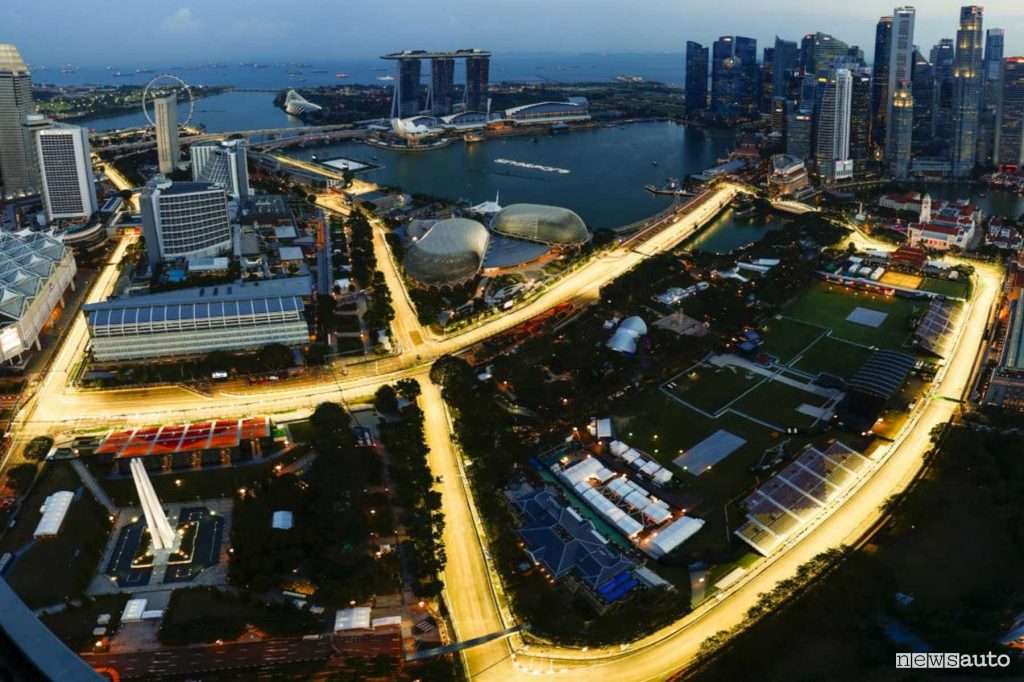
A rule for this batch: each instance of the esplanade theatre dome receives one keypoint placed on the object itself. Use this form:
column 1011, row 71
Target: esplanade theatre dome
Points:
column 545, row 224
column 450, row 253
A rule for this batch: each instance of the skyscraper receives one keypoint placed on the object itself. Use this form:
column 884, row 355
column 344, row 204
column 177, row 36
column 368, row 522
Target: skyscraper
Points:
column 17, row 152
column 410, row 71
column 442, row 85
column 832, row 154
column 901, row 133
column 222, row 163
column 785, row 60
column 1010, row 131
column 165, row 111
column 767, row 80
column 942, row 110
column 65, row 169
column 992, row 68
column 901, row 66
column 880, row 81
column 860, row 118
column 923, row 89
column 750, row 76
column 819, row 50
column 967, row 79
column 696, row 95
column 478, row 73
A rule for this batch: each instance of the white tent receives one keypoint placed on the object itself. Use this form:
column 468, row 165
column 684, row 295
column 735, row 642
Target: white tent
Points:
column 357, row 618
column 133, row 610
column 54, row 509
column 673, row 535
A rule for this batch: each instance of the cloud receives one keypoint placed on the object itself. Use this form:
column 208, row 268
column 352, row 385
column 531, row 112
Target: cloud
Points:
column 180, row 22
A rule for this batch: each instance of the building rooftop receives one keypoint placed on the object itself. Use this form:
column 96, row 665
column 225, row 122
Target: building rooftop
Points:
column 427, row 54
column 27, row 259
column 11, row 61
column 234, row 291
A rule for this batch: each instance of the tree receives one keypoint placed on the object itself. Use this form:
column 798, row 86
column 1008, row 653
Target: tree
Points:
column 38, row 448
column 276, row 357
column 385, row 400
column 408, row 389
column 446, row 368
column 19, row 478
column 347, row 176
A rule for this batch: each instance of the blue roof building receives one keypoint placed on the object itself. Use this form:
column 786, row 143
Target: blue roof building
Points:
column 565, row 543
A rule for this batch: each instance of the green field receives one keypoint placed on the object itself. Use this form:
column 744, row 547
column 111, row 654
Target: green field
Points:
column 955, row 289
column 776, row 403
column 711, row 388
column 834, row 356
column 48, row 571
column 829, row 305
column 786, row 337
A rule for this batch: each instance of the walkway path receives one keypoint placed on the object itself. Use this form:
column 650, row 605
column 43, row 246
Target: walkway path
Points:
column 775, row 375
column 93, row 485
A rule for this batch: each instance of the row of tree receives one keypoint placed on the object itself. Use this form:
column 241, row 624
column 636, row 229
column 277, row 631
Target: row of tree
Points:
column 403, row 436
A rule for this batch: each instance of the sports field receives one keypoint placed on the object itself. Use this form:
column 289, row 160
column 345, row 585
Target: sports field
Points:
column 901, row 279
column 828, row 305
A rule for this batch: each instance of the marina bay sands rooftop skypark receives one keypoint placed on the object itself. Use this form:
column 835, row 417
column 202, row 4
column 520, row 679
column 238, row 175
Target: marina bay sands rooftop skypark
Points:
column 442, row 54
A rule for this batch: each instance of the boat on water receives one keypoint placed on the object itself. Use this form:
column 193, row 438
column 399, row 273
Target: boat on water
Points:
column 385, row 78
column 671, row 187
column 473, row 137
column 748, row 212
column 341, row 75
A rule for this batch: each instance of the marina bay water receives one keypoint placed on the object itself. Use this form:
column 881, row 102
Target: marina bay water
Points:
column 607, row 170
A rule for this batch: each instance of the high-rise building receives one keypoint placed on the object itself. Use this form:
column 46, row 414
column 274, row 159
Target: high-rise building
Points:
column 735, row 78
column 785, row 60
column 767, row 80
column 860, row 118
column 184, row 219
column 967, row 79
column 17, row 152
column 1010, row 131
column 992, row 69
column 819, row 50
column 901, row 133
column 721, row 52
column 923, row 89
column 880, row 81
column 222, row 163
column 901, row 65
column 779, row 113
column 798, row 133
column 696, row 95
column 65, row 169
column 478, row 73
column 410, row 71
column 942, row 111
column 165, row 111
column 832, row 154
column 995, row 40
column 442, row 85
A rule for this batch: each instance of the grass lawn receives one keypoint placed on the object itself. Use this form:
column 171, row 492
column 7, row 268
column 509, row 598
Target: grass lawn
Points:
column 829, row 305
column 776, row 403
column 50, row 571
column 711, row 388
column 208, row 614
column 834, row 356
column 74, row 625
column 300, row 431
column 954, row 288
column 785, row 337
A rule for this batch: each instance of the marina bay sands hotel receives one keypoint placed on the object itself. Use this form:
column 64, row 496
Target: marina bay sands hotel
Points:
column 405, row 101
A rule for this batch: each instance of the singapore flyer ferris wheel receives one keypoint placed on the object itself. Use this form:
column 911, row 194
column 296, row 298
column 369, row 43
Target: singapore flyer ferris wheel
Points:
column 165, row 84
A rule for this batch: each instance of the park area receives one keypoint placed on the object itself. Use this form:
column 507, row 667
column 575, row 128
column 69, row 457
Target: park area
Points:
column 47, row 571
column 858, row 316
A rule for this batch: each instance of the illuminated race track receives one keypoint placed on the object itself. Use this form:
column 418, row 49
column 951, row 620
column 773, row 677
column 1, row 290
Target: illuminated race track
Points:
column 473, row 591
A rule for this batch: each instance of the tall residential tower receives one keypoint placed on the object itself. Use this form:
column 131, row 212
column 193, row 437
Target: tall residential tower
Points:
column 165, row 112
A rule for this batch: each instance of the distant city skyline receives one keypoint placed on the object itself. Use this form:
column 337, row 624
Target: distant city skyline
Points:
column 53, row 32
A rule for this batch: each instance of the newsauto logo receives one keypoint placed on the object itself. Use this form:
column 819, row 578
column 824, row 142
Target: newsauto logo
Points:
column 945, row 661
